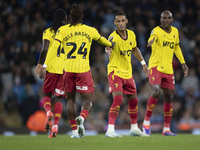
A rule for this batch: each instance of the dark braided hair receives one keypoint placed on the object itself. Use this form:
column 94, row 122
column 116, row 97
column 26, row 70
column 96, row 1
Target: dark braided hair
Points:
column 76, row 15
column 59, row 16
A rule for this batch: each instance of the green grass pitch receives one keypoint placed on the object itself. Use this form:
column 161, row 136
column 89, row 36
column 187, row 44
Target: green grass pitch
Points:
column 100, row 142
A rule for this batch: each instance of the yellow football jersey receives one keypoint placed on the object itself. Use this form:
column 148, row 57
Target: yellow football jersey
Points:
column 163, row 49
column 56, row 64
column 77, row 41
column 120, row 60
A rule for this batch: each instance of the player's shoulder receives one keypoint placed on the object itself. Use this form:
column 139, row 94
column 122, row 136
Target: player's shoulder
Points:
column 87, row 27
column 46, row 30
column 64, row 27
column 174, row 29
column 130, row 31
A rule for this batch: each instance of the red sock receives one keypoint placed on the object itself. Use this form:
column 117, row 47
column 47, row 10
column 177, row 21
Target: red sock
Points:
column 133, row 110
column 150, row 107
column 114, row 109
column 84, row 113
column 57, row 111
column 47, row 103
column 73, row 124
column 167, row 114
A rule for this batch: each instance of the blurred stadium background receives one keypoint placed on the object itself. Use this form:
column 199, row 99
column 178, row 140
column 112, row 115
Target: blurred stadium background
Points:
column 22, row 23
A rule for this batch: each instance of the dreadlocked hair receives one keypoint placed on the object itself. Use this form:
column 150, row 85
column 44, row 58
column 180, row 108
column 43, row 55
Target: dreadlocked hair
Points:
column 76, row 15
column 58, row 17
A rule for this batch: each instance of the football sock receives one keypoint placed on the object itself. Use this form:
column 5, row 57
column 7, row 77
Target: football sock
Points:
column 47, row 103
column 150, row 107
column 57, row 111
column 146, row 123
column 167, row 114
column 73, row 124
column 166, row 129
column 111, row 127
column 114, row 109
column 133, row 110
column 134, row 126
column 84, row 113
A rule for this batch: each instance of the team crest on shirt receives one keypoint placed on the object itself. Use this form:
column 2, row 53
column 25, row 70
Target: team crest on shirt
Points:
column 130, row 43
column 116, row 85
column 153, row 78
column 174, row 36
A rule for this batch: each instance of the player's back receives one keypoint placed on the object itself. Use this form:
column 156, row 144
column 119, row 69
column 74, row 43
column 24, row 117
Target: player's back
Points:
column 56, row 64
column 77, row 40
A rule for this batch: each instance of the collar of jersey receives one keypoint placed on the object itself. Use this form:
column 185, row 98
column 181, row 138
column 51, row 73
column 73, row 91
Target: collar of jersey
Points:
column 121, row 36
column 166, row 31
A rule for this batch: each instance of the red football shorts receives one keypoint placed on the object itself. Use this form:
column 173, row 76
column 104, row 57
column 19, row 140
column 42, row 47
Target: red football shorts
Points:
column 53, row 83
column 164, row 80
column 81, row 82
column 127, row 86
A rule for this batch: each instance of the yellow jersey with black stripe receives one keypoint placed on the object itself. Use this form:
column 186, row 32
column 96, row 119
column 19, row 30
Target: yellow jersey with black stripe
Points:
column 56, row 64
column 120, row 60
column 163, row 49
column 77, row 40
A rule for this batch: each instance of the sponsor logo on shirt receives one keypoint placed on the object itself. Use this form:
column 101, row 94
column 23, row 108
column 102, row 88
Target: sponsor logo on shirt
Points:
column 82, row 88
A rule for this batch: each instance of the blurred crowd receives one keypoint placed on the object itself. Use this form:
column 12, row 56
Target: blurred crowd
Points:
column 22, row 23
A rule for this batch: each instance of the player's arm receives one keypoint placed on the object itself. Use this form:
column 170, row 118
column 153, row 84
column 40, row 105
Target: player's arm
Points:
column 151, row 40
column 181, row 59
column 108, row 50
column 103, row 41
column 43, row 54
column 52, row 51
column 139, row 57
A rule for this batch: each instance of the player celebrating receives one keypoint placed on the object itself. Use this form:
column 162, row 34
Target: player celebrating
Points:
column 120, row 74
column 53, row 73
column 77, row 39
column 164, row 41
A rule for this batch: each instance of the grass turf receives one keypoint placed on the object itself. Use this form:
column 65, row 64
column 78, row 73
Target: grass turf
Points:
column 100, row 142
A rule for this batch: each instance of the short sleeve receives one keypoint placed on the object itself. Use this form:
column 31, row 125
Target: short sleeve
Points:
column 59, row 34
column 134, row 40
column 46, row 35
column 95, row 34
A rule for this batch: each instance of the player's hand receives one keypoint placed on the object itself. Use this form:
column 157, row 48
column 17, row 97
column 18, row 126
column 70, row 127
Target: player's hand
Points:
column 38, row 69
column 108, row 50
column 185, row 69
column 43, row 73
column 113, row 43
column 150, row 42
column 146, row 70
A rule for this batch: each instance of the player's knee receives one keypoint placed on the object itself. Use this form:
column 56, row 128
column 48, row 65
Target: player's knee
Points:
column 168, row 98
column 58, row 99
column 47, row 94
column 155, row 91
column 87, row 105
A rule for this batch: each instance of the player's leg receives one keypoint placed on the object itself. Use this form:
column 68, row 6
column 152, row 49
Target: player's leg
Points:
column 48, row 89
column 57, row 114
column 113, row 113
column 133, row 113
column 86, row 108
column 85, row 86
column 155, row 81
column 72, row 113
column 115, row 87
column 70, row 90
column 129, row 89
column 168, row 85
column 59, row 96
